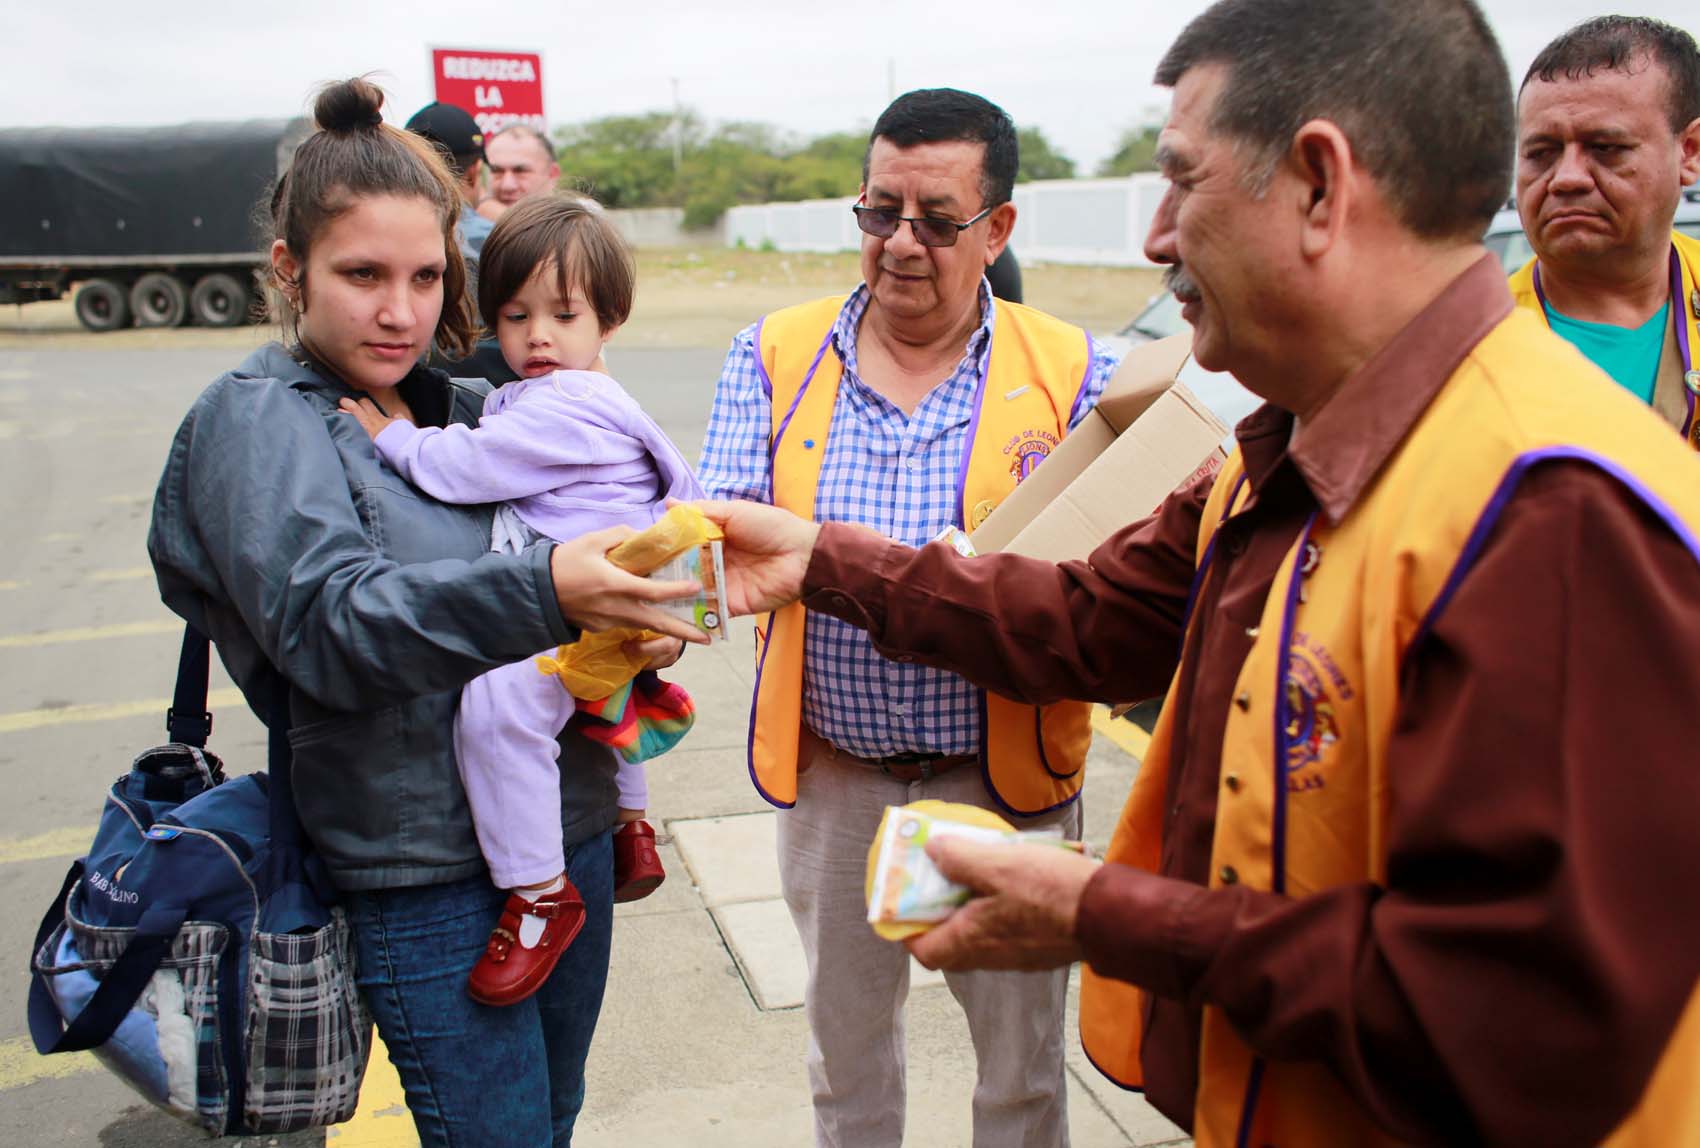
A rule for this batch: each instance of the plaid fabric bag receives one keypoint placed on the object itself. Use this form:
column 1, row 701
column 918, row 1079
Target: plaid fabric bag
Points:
column 197, row 949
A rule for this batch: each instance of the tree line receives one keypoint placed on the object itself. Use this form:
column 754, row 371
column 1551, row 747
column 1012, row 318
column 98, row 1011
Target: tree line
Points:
column 655, row 160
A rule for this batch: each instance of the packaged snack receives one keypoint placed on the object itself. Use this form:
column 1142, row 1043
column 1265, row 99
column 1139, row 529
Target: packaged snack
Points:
column 907, row 895
column 684, row 546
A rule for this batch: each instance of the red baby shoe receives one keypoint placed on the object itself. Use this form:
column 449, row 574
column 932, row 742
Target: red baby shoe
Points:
column 637, row 866
column 508, row 972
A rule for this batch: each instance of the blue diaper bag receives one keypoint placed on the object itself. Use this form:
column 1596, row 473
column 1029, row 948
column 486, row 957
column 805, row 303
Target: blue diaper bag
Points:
column 197, row 949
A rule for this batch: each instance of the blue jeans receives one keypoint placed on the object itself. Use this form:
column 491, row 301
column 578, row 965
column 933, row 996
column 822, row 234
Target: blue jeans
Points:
column 476, row 1075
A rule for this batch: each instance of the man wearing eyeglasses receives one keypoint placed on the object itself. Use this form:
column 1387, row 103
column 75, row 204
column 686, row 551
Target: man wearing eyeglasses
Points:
column 913, row 405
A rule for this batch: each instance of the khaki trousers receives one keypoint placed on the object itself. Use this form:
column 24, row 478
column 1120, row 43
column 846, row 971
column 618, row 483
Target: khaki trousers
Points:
column 857, row 983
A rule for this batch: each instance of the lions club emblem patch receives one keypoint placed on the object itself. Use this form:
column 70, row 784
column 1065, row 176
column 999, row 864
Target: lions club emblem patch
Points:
column 1314, row 687
column 1026, row 451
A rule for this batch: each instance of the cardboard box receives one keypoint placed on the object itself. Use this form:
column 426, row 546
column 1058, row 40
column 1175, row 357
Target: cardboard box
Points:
column 1146, row 437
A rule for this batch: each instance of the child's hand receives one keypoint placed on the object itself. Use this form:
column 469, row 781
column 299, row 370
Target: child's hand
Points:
column 371, row 419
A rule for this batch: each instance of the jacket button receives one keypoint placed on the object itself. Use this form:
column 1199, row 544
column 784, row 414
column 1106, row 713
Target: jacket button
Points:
column 1232, row 781
column 1228, row 875
column 1244, row 700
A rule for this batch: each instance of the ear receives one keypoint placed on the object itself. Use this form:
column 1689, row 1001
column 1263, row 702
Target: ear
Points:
column 999, row 224
column 1688, row 153
column 608, row 333
column 286, row 270
column 1321, row 158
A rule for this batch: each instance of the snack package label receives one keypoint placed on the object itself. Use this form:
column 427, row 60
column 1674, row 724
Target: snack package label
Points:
column 907, row 885
column 706, row 566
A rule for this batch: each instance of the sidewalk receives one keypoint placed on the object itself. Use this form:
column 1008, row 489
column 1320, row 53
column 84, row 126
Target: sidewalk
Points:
column 702, row 1037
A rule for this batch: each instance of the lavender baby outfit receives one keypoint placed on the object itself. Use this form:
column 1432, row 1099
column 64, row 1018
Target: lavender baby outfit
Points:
column 565, row 454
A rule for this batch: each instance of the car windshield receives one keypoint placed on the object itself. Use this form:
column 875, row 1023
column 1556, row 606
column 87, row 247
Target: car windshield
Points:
column 1511, row 248
column 1160, row 319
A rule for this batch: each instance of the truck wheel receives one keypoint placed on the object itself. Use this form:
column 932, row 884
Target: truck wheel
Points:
column 101, row 305
column 218, row 300
column 159, row 300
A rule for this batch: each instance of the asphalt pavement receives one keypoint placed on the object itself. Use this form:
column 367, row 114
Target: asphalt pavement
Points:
column 701, row 1041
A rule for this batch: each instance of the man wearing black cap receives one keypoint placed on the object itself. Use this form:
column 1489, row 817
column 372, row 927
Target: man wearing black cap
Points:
column 460, row 139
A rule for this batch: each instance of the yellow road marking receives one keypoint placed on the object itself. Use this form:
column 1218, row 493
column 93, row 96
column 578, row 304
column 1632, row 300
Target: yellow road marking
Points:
column 118, row 575
column 13, row 585
column 127, row 499
column 54, row 843
column 1132, row 740
column 60, row 537
column 21, row 1064
column 382, row 1120
column 90, row 633
column 68, row 715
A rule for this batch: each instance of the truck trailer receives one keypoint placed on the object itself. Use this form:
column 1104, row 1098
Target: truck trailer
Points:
column 155, row 226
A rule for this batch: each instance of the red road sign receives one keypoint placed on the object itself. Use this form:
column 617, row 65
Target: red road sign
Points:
column 498, row 88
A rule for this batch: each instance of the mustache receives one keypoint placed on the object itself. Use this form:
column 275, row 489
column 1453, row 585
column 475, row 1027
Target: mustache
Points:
column 1178, row 282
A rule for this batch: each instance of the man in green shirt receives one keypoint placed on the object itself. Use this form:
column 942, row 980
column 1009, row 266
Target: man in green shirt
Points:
column 1608, row 135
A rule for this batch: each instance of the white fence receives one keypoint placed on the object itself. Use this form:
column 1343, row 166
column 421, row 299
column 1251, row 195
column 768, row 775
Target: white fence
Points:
column 1090, row 221
column 662, row 227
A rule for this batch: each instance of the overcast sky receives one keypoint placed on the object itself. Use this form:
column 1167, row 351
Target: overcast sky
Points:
column 1078, row 69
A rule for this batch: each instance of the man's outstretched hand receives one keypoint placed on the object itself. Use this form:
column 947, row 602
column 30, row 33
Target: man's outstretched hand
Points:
column 767, row 553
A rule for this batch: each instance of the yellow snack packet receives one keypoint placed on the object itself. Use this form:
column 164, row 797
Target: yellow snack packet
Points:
column 906, row 894
column 682, row 528
column 683, row 546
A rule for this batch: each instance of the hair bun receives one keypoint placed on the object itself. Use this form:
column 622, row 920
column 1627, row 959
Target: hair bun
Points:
column 349, row 105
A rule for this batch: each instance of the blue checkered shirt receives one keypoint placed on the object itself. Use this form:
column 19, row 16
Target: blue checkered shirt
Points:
column 892, row 472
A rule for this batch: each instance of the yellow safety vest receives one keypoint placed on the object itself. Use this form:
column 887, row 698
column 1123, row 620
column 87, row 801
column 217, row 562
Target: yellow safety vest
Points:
column 1685, row 304
column 1306, row 809
column 1033, row 758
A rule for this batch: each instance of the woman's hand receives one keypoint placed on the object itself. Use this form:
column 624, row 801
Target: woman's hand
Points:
column 767, row 554
column 657, row 653
column 366, row 413
column 595, row 594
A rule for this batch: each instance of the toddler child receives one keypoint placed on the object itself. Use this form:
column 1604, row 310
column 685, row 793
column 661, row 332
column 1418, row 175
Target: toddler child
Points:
column 565, row 451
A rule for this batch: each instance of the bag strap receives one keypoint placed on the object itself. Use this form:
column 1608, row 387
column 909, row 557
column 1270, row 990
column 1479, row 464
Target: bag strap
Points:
column 119, row 988
column 188, row 720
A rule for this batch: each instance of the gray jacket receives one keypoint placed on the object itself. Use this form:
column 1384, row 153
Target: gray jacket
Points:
column 280, row 533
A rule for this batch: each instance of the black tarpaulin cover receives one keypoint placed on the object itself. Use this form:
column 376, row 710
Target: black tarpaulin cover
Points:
column 188, row 189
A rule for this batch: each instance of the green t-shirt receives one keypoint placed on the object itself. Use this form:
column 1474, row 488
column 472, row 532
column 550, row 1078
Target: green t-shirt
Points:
column 1628, row 354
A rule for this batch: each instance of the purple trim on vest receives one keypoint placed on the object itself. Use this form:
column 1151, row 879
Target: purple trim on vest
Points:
column 1085, row 378
column 773, row 617
column 1209, row 555
column 1248, row 1110
column 1283, row 663
column 968, row 445
column 755, row 700
column 1102, row 1071
column 1679, row 315
column 1039, row 743
column 761, row 367
column 1496, row 506
column 796, row 400
column 986, row 772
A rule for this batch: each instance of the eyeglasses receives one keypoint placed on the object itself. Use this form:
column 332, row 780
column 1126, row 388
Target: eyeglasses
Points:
column 929, row 230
